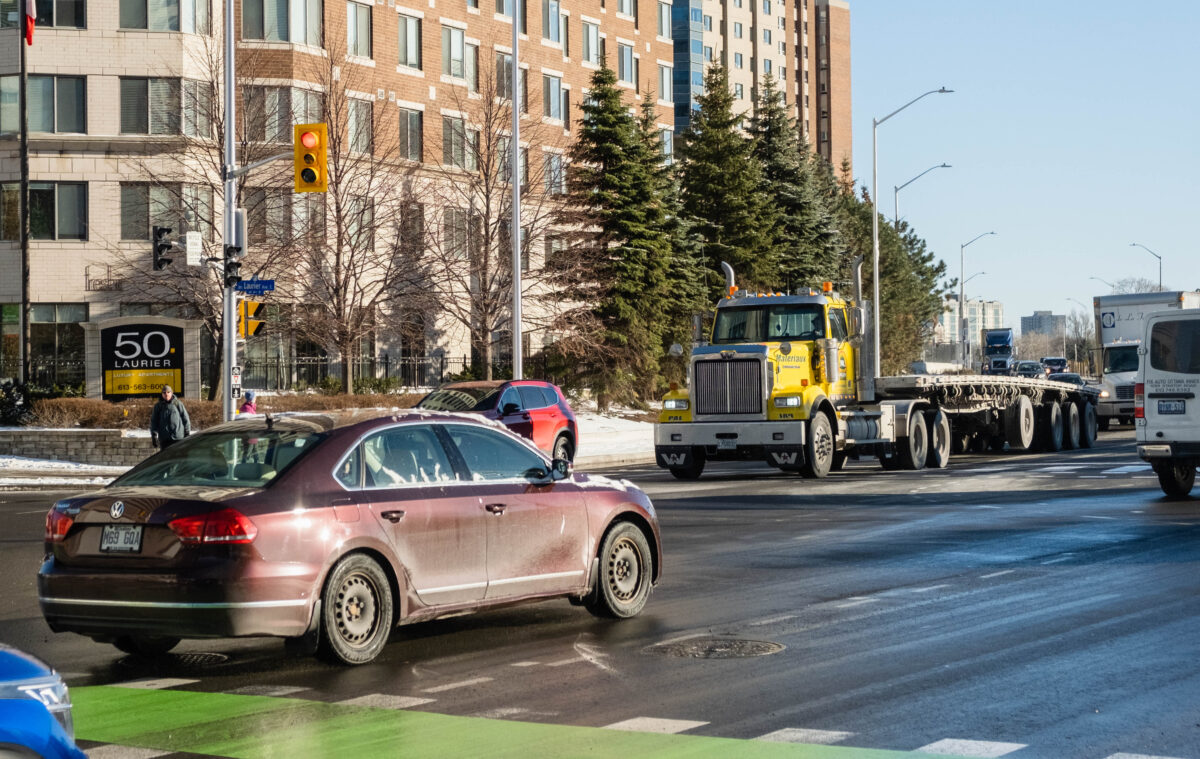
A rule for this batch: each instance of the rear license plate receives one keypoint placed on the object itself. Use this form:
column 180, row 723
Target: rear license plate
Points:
column 121, row 538
column 1171, row 407
column 727, row 444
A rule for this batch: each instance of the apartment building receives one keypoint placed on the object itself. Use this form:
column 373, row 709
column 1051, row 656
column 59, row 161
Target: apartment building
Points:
column 124, row 93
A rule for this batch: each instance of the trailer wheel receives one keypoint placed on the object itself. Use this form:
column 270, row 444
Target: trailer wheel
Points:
column 818, row 449
column 1087, row 425
column 914, row 449
column 960, row 442
column 839, row 461
column 1176, row 477
column 1070, row 426
column 1019, row 423
column 1051, row 427
column 938, row 425
column 1103, row 423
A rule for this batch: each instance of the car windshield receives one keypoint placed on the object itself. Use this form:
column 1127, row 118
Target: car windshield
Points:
column 1123, row 358
column 783, row 321
column 460, row 399
column 244, row 458
column 1074, row 379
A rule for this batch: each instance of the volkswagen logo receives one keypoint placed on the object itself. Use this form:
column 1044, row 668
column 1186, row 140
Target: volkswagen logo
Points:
column 116, row 510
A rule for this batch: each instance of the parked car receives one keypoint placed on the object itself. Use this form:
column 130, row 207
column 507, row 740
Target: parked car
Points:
column 35, row 709
column 1056, row 365
column 331, row 528
column 1030, row 369
column 1071, row 377
column 531, row 408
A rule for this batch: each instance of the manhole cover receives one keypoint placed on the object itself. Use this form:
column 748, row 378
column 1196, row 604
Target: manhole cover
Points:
column 199, row 660
column 716, row 648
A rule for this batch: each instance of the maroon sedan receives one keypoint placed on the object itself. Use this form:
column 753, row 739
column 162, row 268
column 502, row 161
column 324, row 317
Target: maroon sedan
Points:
column 331, row 529
column 531, row 408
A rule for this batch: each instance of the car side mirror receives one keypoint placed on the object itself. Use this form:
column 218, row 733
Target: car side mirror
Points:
column 537, row 474
column 560, row 469
column 509, row 409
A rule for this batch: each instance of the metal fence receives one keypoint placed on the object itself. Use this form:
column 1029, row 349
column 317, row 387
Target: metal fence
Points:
column 48, row 372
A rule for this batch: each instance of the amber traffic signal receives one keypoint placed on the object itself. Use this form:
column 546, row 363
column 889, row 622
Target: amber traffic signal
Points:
column 311, row 146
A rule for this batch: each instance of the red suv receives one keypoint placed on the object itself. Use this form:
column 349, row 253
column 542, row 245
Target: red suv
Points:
column 531, row 408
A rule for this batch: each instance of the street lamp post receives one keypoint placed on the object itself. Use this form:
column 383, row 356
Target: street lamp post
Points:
column 896, row 191
column 962, row 289
column 875, row 209
column 1111, row 286
column 1143, row 247
column 964, row 316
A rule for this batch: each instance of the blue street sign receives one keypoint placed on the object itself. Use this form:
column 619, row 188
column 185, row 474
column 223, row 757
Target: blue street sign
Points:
column 255, row 286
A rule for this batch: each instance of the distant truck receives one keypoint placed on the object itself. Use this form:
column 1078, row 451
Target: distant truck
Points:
column 1165, row 398
column 999, row 351
column 1120, row 324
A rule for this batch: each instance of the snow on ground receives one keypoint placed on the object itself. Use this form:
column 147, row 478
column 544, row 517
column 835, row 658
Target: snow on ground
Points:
column 605, row 435
column 20, row 463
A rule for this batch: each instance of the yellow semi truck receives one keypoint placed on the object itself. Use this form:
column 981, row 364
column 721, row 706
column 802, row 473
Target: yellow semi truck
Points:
column 791, row 380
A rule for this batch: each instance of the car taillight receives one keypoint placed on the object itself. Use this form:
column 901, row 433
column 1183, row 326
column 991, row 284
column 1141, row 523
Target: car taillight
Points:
column 224, row 526
column 1139, row 401
column 58, row 524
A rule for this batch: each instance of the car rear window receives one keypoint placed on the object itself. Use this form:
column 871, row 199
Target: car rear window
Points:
column 458, row 399
column 1175, row 346
column 245, row 458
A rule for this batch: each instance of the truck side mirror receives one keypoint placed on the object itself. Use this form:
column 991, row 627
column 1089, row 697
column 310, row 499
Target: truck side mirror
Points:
column 856, row 321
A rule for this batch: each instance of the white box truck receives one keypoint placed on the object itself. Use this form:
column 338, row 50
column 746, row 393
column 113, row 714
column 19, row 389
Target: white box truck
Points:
column 1165, row 399
column 1120, row 324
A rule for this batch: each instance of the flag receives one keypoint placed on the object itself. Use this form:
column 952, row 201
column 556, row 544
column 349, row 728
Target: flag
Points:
column 30, row 15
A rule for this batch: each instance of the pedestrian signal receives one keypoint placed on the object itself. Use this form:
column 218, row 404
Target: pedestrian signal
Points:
column 248, row 326
column 311, row 147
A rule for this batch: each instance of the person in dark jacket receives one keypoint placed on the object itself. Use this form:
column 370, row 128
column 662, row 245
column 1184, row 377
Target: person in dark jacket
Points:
column 169, row 420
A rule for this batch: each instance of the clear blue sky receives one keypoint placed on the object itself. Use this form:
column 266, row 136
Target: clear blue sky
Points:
column 1072, row 132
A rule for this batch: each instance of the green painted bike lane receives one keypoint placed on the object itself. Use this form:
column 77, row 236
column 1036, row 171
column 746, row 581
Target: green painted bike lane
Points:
column 261, row 727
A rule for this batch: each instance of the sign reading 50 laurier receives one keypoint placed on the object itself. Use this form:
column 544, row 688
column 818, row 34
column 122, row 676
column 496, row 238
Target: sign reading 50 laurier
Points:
column 138, row 359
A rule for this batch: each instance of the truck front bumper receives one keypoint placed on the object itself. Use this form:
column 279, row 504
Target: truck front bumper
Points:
column 777, row 443
column 1111, row 409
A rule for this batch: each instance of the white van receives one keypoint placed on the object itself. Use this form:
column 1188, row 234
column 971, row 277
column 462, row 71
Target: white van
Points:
column 1166, row 402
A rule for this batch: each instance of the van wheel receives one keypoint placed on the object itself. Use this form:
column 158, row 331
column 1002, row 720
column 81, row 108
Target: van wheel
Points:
column 1176, row 477
column 357, row 609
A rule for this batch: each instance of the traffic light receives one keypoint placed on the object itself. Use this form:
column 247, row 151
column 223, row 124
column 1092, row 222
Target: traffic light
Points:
column 161, row 246
column 233, row 265
column 311, row 146
column 248, row 326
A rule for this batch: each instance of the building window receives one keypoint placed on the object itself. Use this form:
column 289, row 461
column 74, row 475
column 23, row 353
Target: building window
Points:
column 556, row 179
column 272, row 111
column 766, row 65
column 552, row 254
column 626, row 64
column 737, row 60
column 150, row 106
column 57, row 211
column 56, row 335
column 360, row 224
column 591, row 43
column 767, row 36
column 737, row 29
column 297, row 21
column 667, row 137
column 459, row 60
column 410, row 42
column 456, row 232
column 56, row 104
column 68, row 14
column 664, row 20
column 664, row 82
column 551, row 21
column 708, row 53
column 767, row 7
column 359, row 125
column 180, row 207
column 782, row 23
column 288, row 217
column 459, row 144
column 189, row 16
column 358, row 30
column 504, row 81
column 738, row 91
column 552, row 97
column 625, row 6
column 708, row 23
column 504, row 144
column 411, row 136
column 411, row 243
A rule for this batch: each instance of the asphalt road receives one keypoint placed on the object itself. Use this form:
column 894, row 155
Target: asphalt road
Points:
column 1017, row 605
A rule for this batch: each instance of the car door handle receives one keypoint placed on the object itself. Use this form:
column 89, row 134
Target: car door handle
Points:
column 393, row 516
column 341, row 502
column 495, row 508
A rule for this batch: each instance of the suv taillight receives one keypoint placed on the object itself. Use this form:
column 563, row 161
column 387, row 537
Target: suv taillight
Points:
column 224, row 526
column 1139, row 401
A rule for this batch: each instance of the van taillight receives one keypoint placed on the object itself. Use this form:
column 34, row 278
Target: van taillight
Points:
column 1139, row 401
column 224, row 526
column 58, row 524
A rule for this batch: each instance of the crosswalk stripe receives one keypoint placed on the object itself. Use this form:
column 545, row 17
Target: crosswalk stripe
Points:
column 462, row 684
column 959, row 747
column 654, row 725
column 802, row 735
column 1129, row 469
column 385, row 701
column 1123, row 755
column 275, row 691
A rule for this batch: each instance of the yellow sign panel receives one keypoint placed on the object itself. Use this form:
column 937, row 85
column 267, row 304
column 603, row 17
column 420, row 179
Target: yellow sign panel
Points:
column 141, row 381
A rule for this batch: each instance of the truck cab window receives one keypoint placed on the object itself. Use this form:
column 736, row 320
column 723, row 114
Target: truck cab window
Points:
column 837, row 324
column 784, row 321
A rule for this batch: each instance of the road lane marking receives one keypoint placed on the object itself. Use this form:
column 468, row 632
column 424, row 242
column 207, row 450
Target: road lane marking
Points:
column 564, row 662
column 772, row 620
column 1128, row 469
column 655, row 725
column 856, row 602
column 997, row 574
column 1089, row 516
column 124, row 752
column 801, row 735
column 1060, row 559
column 453, row 686
column 524, row 664
column 155, row 683
column 387, row 701
column 929, row 589
column 958, row 747
column 267, row 690
column 503, row 712
column 1123, row 755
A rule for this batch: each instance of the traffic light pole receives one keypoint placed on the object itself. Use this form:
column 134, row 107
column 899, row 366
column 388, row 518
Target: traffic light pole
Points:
column 228, row 317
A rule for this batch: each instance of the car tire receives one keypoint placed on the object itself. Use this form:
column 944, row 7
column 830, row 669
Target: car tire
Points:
column 1177, row 478
column 1087, row 425
column 145, row 645
column 622, row 585
column 564, row 448
column 1070, row 426
column 356, row 611
column 818, row 448
column 938, row 425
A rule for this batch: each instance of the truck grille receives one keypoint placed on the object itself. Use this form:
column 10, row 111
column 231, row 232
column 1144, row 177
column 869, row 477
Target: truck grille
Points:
column 729, row 386
column 1124, row 392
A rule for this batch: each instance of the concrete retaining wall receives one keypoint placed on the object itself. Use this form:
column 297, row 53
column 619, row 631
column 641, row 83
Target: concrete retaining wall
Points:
column 99, row 447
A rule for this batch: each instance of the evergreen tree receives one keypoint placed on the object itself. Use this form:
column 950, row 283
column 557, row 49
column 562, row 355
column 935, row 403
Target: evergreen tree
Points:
column 721, row 190
column 805, row 235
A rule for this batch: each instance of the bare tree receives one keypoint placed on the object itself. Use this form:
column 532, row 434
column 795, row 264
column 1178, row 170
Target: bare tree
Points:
column 1136, row 285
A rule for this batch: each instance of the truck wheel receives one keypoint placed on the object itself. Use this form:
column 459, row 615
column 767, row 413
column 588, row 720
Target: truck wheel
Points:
column 1052, row 427
column 818, row 448
column 1087, row 425
column 1104, row 422
column 1176, row 477
column 839, row 461
column 1070, row 426
column 1019, row 423
column 914, row 449
column 938, row 425
column 690, row 472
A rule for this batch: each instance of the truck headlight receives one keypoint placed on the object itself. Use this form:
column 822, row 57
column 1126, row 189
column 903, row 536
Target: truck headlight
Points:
column 787, row 401
column 1103, row 393
column 675, row 404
